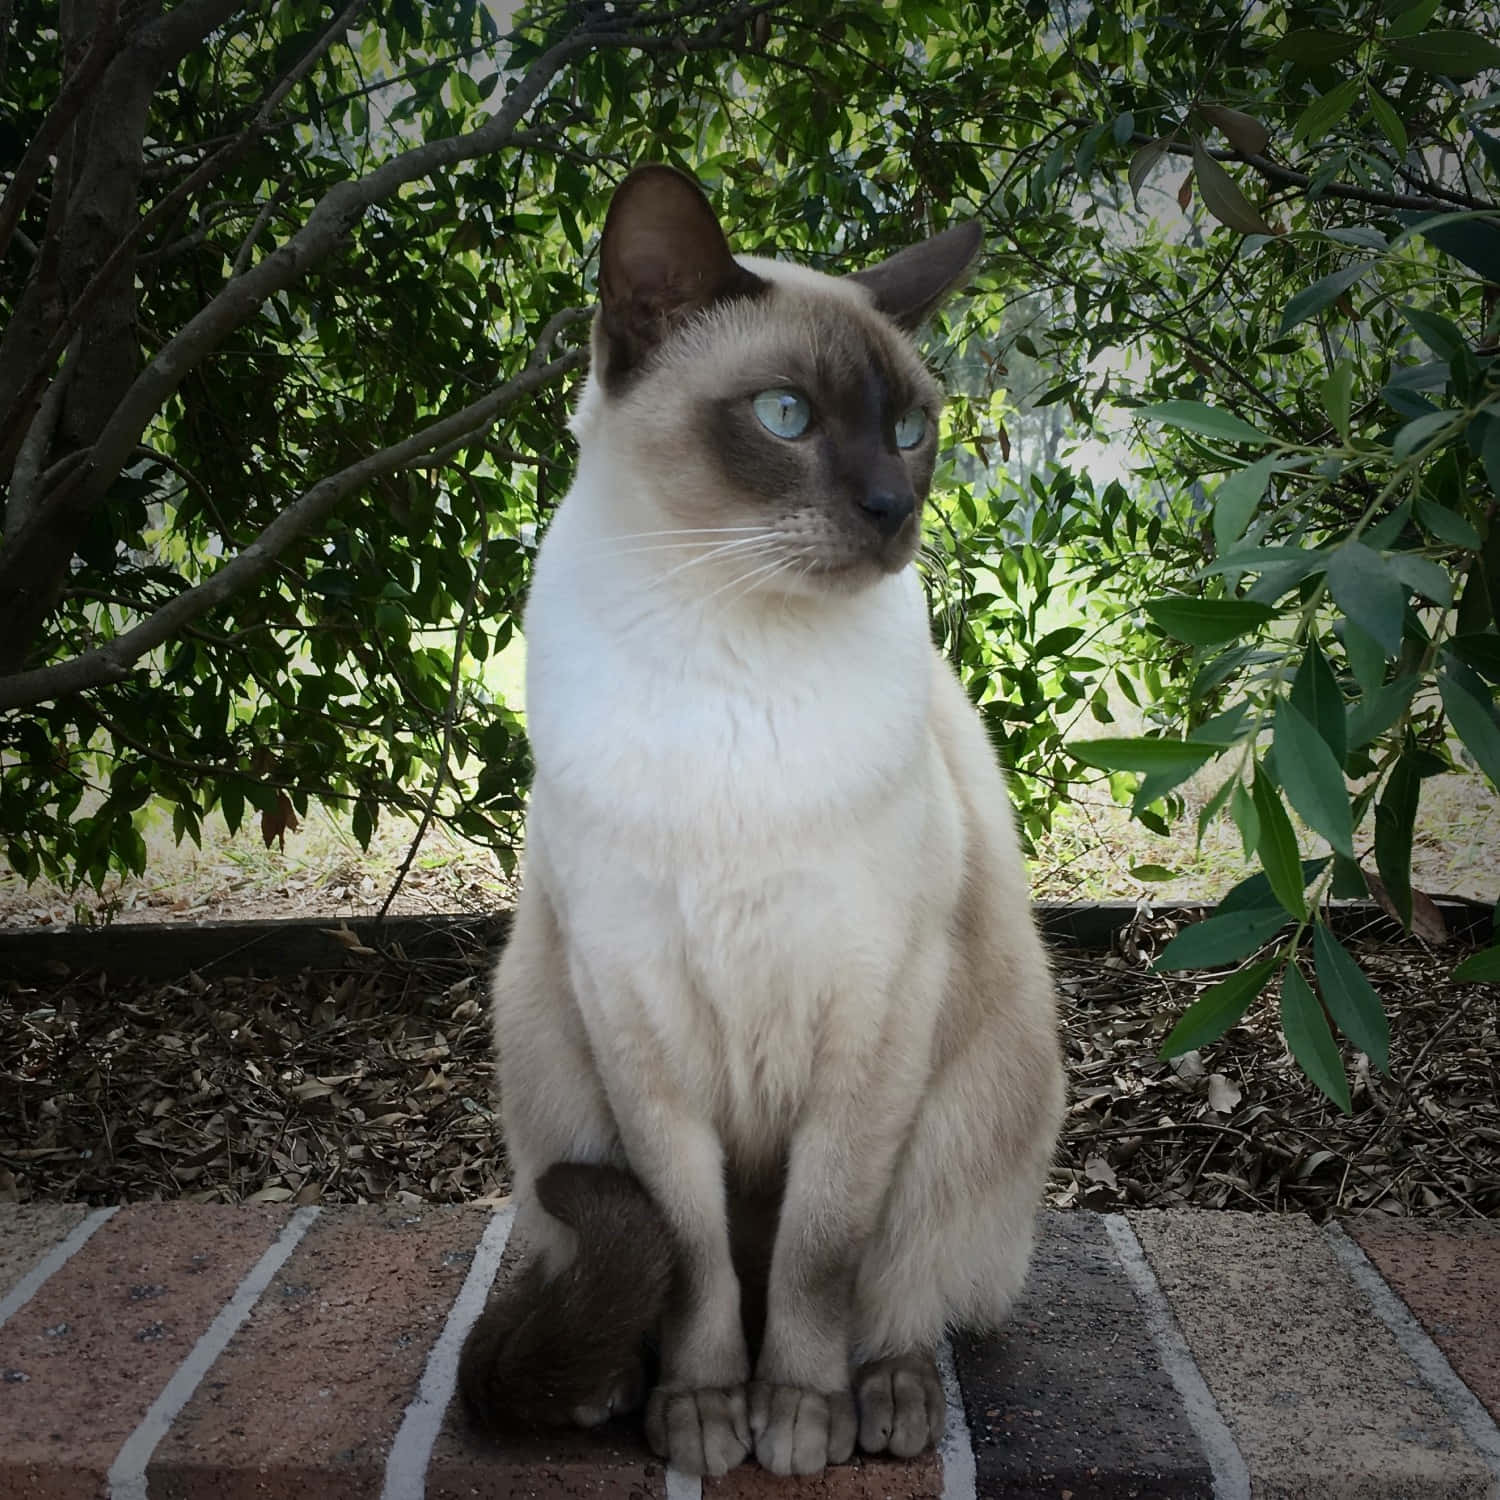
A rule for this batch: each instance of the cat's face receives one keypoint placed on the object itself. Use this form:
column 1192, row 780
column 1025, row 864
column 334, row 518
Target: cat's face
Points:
column 780, row 416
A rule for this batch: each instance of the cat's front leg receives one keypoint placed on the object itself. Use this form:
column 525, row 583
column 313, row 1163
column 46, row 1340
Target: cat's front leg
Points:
column 696, row 1417
column 802, row 1408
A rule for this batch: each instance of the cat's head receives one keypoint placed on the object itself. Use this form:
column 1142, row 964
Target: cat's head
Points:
column 772, row 412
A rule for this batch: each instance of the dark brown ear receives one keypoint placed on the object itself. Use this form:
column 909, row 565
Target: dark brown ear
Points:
column 909, row 286
column 662, row 258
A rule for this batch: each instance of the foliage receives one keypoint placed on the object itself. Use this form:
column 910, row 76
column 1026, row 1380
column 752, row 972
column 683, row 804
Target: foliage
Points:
column 290, row 303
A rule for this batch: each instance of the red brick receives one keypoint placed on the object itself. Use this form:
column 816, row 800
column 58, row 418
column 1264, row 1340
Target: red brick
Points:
column 28, row 1231
column 610, row 1463
column 1449, row 1276
column 863, row 1479
column 312, row 1389
column 85, row 1358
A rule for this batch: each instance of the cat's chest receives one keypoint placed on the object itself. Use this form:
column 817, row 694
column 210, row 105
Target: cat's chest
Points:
column 693, row 739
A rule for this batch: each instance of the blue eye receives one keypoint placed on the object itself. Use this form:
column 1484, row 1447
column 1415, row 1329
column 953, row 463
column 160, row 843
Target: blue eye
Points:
column 782, row 412
column 911, row 428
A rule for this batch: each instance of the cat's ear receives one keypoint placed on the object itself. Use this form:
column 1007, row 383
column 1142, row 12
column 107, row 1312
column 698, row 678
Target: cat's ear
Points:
column 909, row 286
column 662, row 258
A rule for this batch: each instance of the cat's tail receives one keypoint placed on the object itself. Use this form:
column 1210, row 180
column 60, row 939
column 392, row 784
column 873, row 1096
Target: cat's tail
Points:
column 570, row 1349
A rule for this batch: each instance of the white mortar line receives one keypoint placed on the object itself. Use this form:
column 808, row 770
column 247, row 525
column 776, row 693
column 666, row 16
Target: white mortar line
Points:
column 1231, row 1476
column 53, row 1261
column 127, row 1474
column 406, row 1463
column 682, row 1486
column 1461, row 1404
column 957, row 1447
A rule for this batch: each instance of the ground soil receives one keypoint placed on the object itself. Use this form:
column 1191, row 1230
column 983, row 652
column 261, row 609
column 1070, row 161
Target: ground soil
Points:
column 374, row 1083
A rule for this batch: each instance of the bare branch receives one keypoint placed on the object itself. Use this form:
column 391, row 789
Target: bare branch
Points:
column 65, row 107
column 112, row 662
column 247, row 245
column 1273, row 171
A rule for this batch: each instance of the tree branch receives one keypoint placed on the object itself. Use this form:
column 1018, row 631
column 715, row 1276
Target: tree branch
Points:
column 330, row 221
column 26, row 474
column 1288, row 177
column 112, row 662
column 64, row 110
column 207, row 14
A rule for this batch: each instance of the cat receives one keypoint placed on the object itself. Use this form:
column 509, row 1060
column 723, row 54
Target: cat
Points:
column 778, row 1060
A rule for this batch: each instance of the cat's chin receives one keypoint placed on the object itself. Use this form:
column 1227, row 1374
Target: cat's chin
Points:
column 846, row 576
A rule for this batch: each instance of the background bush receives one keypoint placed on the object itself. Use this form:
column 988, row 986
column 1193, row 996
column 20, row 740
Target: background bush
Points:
column 293, row 300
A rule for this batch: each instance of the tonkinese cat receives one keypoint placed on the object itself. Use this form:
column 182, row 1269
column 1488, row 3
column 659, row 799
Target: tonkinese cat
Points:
column 778, row 1062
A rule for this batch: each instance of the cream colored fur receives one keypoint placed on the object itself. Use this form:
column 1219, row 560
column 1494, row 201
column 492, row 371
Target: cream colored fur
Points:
column 774, row 914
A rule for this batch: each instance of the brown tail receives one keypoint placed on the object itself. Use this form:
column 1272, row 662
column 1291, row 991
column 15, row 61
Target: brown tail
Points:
column 545, row 1351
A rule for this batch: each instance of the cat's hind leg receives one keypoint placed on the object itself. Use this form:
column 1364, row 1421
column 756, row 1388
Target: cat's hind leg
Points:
column 561, row 1340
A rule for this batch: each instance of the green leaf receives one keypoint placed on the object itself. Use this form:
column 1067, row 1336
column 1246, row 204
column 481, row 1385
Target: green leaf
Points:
column 1206, row 622
column 1439, row 334
column 1312, row 48
column 1395, row 818
column 1310, row 301
column 1153, row 873
column 1217, row 1009
column 1348, row 883
column 1446, row 525
column 1421, row 430
column 1141, row 164
column 1365, row 655
column 1338, row 394
column 1377, row 711
column 1480, row 651
column 1351, row 1001
column 1254, row 892
column 1208, row 421
column 1315, row 692
column 1455, row 54
column 1307, row 1034
column 1055, row 642
column 1479, row 968
column 1222, row 939
column 1368, row 592
column 1141, row 754
column 1277, row 845
column 1222, row 196
column 1423, row 576
column 1390, row 123
column 1325, row 112
column 1236, row 500
column 1246, row 819
column 232, row 805
column 1474, row 242
column 1474, row 722
column 1213, row 807
column 1312, row 778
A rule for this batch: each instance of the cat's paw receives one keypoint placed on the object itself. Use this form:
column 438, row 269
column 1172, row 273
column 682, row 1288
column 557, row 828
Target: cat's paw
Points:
column 798, row 1431
column 699, row 1432
column 901, row 1405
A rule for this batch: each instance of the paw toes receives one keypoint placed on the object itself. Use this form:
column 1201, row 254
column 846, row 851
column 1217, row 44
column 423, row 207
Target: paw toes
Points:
column 902, row 1409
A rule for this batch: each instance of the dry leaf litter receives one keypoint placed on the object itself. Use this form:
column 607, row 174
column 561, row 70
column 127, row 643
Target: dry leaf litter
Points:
column 374, row 1083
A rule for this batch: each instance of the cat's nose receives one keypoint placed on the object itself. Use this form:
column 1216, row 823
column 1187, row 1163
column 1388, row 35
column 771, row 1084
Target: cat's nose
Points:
column 888, row 509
